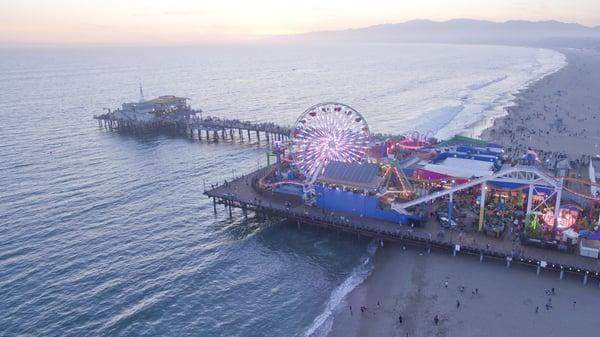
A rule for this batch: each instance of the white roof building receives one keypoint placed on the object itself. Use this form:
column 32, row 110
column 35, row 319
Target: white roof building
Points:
column 461, row 167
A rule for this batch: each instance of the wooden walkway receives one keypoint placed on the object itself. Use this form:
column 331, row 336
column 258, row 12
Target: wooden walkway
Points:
column 214, row 128
column 242, row 193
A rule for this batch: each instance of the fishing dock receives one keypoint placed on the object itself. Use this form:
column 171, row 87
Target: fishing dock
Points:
column 245, row 194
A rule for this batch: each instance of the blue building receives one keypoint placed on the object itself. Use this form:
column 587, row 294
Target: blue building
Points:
column 354, row 188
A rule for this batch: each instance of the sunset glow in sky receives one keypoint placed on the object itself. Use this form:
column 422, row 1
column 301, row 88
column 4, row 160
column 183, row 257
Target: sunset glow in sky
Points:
column 67, row 22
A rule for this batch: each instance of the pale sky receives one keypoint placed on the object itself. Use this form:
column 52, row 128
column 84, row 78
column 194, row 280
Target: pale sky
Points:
column 58, row 22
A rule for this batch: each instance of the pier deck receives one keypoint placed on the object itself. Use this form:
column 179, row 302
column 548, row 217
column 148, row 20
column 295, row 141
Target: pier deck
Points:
column 214, row 128
column 242, row 193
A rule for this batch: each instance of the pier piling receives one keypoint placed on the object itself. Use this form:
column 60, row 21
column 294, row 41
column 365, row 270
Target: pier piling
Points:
column 562, row 273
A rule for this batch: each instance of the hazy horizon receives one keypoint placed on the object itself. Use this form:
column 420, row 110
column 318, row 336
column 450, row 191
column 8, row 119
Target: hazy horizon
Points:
column 181, row 22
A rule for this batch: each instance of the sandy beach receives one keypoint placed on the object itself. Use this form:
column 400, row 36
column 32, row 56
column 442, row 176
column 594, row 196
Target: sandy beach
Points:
column 559, row 113
column 412, row 283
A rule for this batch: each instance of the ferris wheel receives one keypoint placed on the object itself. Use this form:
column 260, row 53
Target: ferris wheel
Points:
column 328, row 132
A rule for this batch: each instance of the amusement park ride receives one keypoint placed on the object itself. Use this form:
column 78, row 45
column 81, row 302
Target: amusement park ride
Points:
column 323, row 133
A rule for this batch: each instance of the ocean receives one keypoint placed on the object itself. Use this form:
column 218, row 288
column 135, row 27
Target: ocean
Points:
column 104, row 234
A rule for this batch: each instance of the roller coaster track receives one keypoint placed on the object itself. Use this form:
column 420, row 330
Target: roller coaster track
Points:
column 584, row 182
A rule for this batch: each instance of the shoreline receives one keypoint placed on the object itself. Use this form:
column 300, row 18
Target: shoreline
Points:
column 557, row 114
column 479, row 127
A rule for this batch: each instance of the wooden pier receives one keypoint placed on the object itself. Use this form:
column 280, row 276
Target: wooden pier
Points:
column 209, row 128
column 243, row 193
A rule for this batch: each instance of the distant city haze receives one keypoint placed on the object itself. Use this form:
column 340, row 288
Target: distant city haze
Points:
column 153, row 22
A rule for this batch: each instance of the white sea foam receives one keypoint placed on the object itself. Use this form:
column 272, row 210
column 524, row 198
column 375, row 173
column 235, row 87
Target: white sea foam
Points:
column 321, row 325
column 482, row 102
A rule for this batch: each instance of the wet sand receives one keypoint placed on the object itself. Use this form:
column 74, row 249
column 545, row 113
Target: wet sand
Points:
column 411, row 283
column 559, row 113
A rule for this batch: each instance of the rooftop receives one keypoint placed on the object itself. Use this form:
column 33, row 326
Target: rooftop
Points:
column 166, row 99
column 361, row 175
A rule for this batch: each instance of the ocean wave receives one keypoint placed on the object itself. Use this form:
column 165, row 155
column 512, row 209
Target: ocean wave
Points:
column 477, row 86
column 321, row 325
column 482, row 103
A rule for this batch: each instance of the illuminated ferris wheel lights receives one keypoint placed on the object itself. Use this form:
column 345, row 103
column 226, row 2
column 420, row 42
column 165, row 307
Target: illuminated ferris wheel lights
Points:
column 328, row 132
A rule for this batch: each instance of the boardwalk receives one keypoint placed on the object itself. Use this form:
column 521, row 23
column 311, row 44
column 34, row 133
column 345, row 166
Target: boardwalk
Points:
column 210, row 128
column 213, row 128
column 242, row 193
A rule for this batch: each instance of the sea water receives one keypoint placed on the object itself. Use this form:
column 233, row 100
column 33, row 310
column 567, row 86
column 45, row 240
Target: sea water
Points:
column 109, row 234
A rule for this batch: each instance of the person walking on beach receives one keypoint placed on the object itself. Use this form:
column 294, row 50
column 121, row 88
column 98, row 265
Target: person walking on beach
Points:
column 400, row 319
column 446, row 284
column 350, row 310
column 436, row 320
column 476, row 291
column 457, row 304
column 537, row 310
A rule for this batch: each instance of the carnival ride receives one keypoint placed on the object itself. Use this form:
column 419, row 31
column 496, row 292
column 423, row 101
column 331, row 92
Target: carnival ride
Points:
column 323, row 133
column 395, row 183
column 414, row 141
column 328, row 132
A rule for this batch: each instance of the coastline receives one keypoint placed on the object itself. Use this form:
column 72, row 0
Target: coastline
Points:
column 507, row 100
column 556, row 114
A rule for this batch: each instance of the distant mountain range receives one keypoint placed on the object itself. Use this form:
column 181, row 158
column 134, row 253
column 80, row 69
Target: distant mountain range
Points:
column 543, row 33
